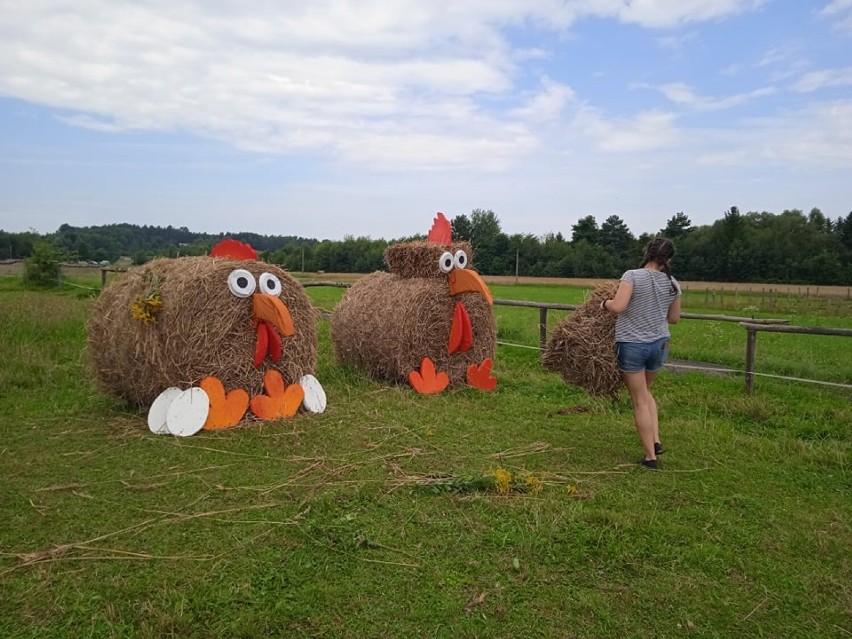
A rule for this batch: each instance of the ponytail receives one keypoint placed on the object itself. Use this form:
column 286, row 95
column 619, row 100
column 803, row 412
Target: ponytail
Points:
column 660, row 250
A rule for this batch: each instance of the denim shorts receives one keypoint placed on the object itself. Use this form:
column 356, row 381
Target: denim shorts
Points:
column 635, row 358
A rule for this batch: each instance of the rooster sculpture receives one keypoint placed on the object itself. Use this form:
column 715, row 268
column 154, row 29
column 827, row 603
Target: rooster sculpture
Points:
column 428, row 321
column 206, row 341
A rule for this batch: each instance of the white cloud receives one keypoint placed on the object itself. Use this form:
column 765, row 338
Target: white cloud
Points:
column 840, row 13
column 672, row 13
column 817, row 136
column 364, row 81
column 438, row 104
column 647, row 131
column 546, row 105
column 824, row 78
column 683, row 95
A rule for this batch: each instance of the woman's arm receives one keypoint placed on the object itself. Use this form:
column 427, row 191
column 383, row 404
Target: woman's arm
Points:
column 674, row 311
column 619, row 303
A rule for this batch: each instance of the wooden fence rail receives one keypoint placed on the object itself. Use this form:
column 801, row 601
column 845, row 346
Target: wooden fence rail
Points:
column 752, row 329
column 543, row 307
column 751, row 324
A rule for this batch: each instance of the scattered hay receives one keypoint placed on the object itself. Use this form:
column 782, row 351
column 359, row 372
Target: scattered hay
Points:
column 582, row 346
column 199, row 329
column 386, row 324
column 420, row 259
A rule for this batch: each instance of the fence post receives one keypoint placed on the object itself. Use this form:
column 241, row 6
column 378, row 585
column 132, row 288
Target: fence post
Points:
column 103, row 278
column 542, row 327
column 751, row 343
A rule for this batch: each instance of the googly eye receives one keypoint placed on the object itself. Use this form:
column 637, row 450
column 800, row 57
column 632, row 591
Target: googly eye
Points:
column 269, row 284
column 446, row 263
column 460, row 259
column 241, row 282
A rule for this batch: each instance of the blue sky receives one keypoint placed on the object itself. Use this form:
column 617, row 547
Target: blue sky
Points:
column 325, row 119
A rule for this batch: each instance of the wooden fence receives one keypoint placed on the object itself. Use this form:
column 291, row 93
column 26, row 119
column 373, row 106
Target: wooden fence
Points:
column 751, row 325
column 752, row 329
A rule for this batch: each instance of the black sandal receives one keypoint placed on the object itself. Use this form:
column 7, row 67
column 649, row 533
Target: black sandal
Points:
column 650, row 464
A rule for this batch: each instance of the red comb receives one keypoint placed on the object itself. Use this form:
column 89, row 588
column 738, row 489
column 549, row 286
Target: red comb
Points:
column 234, row 249
column 441, row 231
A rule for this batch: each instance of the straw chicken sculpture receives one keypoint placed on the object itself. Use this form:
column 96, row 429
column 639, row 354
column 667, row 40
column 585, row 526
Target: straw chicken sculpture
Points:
column 207, row 341
column 428, row 322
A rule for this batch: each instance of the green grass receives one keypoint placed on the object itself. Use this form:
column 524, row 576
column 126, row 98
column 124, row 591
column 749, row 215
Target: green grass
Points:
column 339, row 524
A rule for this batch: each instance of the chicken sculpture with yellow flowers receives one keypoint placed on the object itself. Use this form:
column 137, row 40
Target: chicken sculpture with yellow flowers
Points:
column 428, row 321
column 207, row 341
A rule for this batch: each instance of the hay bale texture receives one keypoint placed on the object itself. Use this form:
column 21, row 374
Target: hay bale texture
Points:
column 201, row 329
column 386, row 323
column 582, row 346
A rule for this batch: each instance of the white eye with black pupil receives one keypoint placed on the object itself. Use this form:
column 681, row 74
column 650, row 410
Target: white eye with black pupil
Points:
column 461, row 259
column 446, row 262
column 270, row 284
column 241, row 282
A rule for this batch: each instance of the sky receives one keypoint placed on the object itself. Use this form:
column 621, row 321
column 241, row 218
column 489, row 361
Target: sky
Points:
column 332, row 118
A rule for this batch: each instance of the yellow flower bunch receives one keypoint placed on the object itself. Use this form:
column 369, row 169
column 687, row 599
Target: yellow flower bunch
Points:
column 502, row 480
column 533, row 484
column 145, row 309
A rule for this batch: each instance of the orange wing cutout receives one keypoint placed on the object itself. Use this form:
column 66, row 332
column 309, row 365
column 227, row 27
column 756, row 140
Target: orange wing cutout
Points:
column 233, row 249
column 426, row 381
column 441, row 231
column 480, row 376
column 226, row 411
column 280, row 400
column 461, row 334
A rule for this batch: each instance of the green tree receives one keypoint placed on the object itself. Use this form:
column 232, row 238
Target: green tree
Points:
column 462, row 228
column 677, row 226
column 585, row 229
column 618, row 240
column 490, row 244
column 42, row 268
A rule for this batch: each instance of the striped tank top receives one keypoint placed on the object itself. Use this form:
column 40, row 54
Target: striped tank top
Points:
column 644, row 319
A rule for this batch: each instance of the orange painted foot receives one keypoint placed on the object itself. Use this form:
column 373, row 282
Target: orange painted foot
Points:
column 280, row 400
column 226, row 410
column 426, row 381
column 481, row 377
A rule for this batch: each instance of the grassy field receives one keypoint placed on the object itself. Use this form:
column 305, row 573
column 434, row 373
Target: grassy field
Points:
column 384, row 516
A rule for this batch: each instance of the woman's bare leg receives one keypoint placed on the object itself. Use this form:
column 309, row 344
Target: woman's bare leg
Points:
column 649, row 379
column 644, row 411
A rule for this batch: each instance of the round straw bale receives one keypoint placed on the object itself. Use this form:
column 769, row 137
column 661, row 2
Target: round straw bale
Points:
column 201, row 329
column 386, row 324
column 582, row 346
column 420, row 259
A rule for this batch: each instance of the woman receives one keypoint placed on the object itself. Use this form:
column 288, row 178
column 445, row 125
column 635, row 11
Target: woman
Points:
column 646, row 302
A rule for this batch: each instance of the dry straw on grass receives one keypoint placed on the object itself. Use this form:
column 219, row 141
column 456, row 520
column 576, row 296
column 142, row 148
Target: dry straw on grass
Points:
column 202, row 329
column 386, row 323
column 582, row 346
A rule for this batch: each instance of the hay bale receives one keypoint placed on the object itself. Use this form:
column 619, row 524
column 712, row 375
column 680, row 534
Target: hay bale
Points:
column 201, row 329
column 582, row 346
column 420, row 259
column 386, row 324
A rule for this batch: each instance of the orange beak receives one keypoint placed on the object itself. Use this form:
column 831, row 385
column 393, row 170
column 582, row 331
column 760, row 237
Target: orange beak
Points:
column 467, row 281
column 266, row 308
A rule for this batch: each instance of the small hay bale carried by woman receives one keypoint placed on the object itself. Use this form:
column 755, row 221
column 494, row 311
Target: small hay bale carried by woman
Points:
column 582, row 346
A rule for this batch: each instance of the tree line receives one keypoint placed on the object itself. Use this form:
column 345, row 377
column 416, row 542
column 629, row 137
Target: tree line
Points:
column 791, row 247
